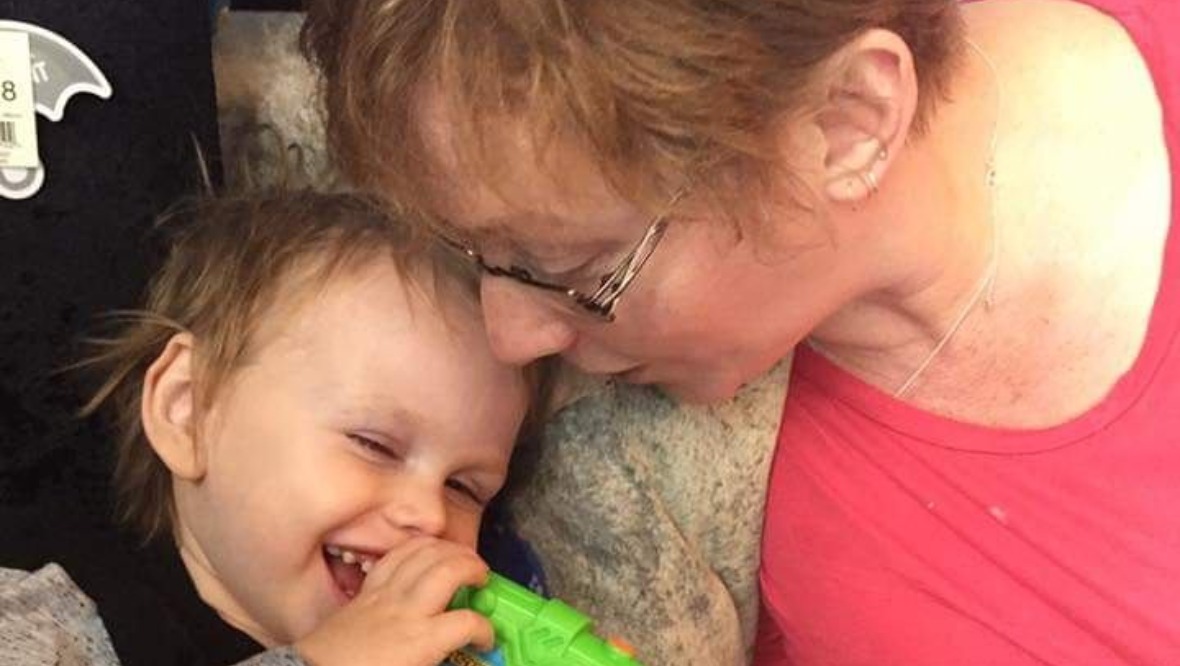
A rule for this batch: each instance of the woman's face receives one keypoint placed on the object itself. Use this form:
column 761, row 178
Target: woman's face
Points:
column 713, row 308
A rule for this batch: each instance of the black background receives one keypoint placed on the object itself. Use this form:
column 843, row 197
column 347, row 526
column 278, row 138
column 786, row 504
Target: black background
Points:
column 266, row 5
column 80, row 247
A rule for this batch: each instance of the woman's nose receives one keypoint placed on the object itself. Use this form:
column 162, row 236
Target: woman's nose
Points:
column 521, row 326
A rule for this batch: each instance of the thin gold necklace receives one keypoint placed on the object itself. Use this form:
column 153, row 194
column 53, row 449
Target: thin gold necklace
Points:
column 987, row 282
column 985, row 288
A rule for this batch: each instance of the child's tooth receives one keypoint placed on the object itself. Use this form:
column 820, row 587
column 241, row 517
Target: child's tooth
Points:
column 367, row 566
column 348, row 556
column 334, row 551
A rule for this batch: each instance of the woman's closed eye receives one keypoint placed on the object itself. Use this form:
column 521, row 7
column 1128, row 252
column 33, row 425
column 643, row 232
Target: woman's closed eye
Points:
column 587, row 276
column 559, row 264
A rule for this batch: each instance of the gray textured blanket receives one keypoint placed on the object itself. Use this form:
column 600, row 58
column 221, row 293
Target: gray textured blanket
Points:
column 648, row 515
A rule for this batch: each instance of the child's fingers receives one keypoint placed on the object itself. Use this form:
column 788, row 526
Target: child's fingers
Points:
column 375, row 638
column 461, row 628
column 438, row 585
column 388, row 566
column 430, row 578
column 439, row 555
column 391, row 567
column 423, row 577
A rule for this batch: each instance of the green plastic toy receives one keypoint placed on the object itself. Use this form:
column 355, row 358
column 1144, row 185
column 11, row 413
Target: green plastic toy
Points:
column 534, row 631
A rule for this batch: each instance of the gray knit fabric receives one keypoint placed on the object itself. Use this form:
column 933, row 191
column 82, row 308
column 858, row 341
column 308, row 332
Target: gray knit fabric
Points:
column 45, row 620
column 648, row 514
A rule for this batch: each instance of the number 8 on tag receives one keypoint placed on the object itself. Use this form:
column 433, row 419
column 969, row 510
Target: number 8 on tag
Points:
column 18, row 124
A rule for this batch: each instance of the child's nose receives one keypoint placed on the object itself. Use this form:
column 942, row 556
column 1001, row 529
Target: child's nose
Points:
column 419, row 509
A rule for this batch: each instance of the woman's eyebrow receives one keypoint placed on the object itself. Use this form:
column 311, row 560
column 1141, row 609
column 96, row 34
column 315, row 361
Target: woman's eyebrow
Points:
column 507, row 226
column 500, row 232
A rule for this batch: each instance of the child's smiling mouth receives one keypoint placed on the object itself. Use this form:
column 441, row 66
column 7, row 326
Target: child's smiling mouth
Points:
column 348, row 568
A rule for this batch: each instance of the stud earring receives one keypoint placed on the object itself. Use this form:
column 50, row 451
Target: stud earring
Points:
column 870, row 180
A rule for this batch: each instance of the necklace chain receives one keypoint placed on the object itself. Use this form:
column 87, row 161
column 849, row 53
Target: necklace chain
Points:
column 986, row 287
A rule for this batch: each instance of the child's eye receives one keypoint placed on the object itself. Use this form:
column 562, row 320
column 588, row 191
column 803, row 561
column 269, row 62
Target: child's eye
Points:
column 373, row 447
column 467, row 492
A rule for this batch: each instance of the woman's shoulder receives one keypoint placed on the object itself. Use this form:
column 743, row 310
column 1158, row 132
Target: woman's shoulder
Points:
column 1081, row 205
column 1081, row 118
column 1058, row 51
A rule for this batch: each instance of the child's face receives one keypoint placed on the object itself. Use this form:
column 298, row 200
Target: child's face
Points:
column 360, row 419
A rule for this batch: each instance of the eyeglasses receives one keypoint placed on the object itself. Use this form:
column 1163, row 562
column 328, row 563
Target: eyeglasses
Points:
column 602, row 301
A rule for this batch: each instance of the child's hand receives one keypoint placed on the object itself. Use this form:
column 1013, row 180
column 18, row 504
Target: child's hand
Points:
column 399, row 618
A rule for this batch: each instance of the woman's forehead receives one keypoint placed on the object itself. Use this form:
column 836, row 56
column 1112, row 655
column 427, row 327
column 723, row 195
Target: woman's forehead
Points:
column 544, row 222
column 531, row 212
column 516, row 188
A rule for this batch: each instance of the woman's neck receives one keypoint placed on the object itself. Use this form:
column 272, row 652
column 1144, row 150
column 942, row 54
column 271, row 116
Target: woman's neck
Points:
column 1082, row 212
column 935, row 245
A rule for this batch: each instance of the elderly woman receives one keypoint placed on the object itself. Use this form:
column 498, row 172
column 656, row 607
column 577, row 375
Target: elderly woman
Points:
column 955, row 216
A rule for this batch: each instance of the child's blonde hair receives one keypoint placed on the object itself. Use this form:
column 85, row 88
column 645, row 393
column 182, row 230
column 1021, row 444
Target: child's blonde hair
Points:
column 230, row 259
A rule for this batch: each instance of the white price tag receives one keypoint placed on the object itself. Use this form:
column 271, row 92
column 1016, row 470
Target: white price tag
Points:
column 18, row 124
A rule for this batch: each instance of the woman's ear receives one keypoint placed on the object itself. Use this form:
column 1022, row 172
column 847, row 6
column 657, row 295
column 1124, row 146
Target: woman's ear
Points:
column 871, row 97
column 167, row 409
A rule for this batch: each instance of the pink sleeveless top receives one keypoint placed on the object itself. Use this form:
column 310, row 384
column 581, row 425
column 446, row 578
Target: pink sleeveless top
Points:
column 894, row 536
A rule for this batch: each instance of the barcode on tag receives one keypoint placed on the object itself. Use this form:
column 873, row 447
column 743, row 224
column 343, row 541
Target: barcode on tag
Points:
column 18, row 122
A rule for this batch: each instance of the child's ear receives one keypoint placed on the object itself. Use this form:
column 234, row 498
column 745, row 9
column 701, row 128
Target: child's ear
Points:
column 167, row 409
column 870, row 103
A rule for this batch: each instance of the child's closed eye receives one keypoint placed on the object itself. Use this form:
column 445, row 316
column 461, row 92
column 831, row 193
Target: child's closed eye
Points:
column 377, row 451
column 468, row 492
column 374, row 448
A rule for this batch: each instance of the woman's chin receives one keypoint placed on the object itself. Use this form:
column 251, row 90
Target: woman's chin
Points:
column 701, row 392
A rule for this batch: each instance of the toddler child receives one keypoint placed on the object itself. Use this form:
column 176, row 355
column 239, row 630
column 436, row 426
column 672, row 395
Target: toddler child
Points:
column 308, row 407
